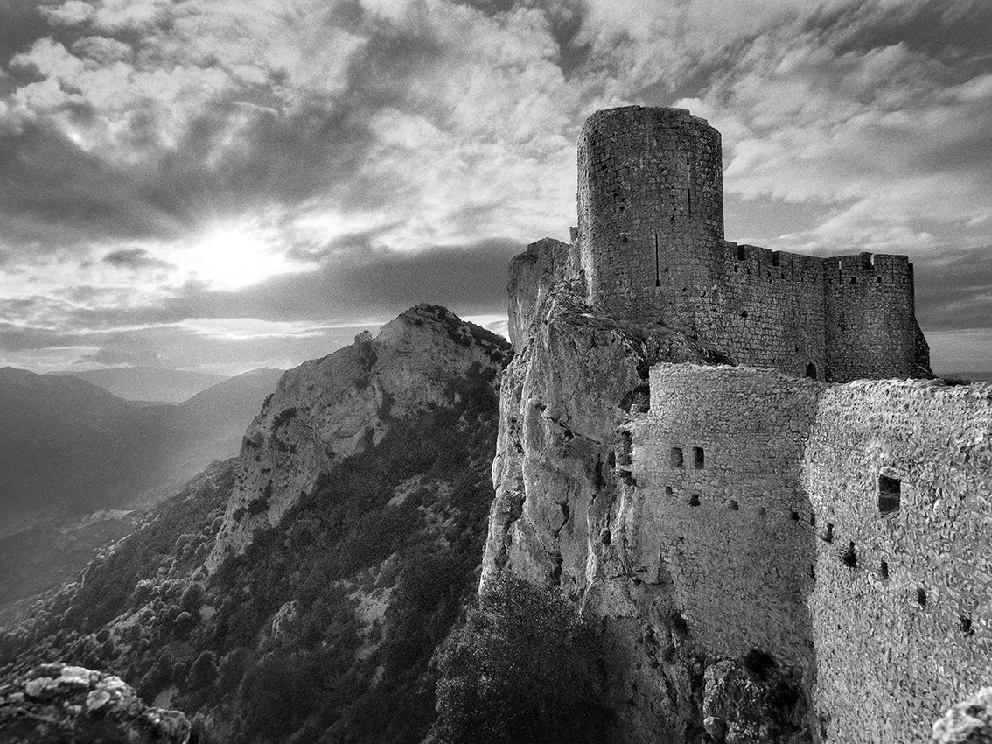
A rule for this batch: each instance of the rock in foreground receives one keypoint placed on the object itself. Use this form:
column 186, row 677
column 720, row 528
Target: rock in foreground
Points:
column 969, row 722
column 60, row 704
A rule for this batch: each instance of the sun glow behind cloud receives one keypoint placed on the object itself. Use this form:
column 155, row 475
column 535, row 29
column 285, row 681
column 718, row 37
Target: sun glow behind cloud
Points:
column 234, row 256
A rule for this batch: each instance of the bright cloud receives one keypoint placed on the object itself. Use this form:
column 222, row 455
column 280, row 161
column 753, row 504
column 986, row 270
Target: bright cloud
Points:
column 169, row 161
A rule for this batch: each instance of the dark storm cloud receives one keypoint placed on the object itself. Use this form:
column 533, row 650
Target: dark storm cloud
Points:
column 351, row 286
column 22, row 24
column 133, row 258
column 953, row 32
column 954, row 290
column 53, row 192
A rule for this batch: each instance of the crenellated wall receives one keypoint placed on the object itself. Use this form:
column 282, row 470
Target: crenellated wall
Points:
column 650, row 248
column 843, row 529
column 870, row 316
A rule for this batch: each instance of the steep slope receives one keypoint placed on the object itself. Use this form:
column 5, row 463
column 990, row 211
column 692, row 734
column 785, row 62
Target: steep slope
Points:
column 157, row 384
column 337, row 406
column 566, row 507
column 320, row 624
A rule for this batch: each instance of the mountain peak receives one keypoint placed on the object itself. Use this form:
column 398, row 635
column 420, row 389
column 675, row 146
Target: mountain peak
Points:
column 330, row 408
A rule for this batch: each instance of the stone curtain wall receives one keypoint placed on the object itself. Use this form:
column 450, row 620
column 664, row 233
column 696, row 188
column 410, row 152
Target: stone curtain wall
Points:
column 906, row 630
column 768, row 310
column 733, row 530
column 651, row 250
column 650, row 203
column 870, row 316
column 850, row 522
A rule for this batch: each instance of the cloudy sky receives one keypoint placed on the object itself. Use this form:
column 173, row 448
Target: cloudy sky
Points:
column 227, row 184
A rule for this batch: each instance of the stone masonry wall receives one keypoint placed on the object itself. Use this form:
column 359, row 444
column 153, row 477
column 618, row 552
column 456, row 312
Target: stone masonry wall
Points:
column 849, row 524
column 650, row 199
column 870, row 316
column 650, row 247
column 717, row 465
column 902, row 606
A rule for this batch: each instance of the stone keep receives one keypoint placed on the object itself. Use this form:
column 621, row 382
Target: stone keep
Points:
column 650, row 248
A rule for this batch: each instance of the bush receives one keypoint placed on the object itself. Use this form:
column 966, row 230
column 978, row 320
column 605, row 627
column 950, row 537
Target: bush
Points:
column 520, row 670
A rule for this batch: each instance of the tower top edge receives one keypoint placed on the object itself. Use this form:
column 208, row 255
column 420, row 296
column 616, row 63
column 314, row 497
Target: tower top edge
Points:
column 643, row 113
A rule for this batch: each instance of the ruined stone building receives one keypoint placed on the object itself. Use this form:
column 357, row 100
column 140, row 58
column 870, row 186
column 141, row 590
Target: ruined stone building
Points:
column 650, row 245
column 721, row 450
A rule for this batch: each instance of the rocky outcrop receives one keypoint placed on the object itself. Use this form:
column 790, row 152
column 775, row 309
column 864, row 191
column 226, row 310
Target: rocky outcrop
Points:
column 330, row 408
column 564, row 493
column 59, row 704
column 968, row 722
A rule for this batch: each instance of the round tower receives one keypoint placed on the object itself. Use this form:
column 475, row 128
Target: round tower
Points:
column 650, row 211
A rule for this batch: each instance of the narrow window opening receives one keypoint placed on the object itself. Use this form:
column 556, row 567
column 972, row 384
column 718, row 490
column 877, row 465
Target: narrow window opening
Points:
column 734, row 506
column 795, row 516
column 688, row 202
column 811, row 371
column 812, row 571
column 883, row 571
column 966, row 628
column 657, row 262
column 676, row 458
column 888, row 494
column 697, row 457
column 669, row 491
column 854, row 280
column 775, row 258
column 694, row 500
column 878, row 280
column 850, row 557
column 921, row 597
column 741, row 253
column 828, row 536
column 607, row 537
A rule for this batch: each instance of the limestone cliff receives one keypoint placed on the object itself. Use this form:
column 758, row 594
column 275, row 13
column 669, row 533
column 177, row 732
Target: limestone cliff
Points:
column 565, row 494
column 330, row 408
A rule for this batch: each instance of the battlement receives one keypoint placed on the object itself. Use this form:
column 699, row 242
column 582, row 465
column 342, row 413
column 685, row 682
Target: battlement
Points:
column 649, row 247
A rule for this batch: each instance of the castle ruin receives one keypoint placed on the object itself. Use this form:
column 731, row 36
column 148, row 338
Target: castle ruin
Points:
column 807, row 499
column 650, row 246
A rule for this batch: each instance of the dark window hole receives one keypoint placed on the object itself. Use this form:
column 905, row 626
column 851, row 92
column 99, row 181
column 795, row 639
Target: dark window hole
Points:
column 850, row 557
column 697, row 457
column 759, row 663
column 795, row 516
column 676, row 457
column 694, row 500
column 883, row 571
column 828, row 536
column 966, row 628
column 734, row 506
column 921, row 597
column 811, row 371
column 888, row 494
column 669, row 491
column 607, row 537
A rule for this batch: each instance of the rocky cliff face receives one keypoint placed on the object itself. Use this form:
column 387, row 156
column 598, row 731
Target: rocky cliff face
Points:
column 566, row 513
column 331, row 408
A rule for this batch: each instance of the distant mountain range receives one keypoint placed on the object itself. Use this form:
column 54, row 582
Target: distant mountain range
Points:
column 153, row 384
column 68, row 447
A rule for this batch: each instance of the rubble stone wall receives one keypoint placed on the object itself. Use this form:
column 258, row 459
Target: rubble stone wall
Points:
column 902, row 605
column 721, row 509
column 842, row 529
